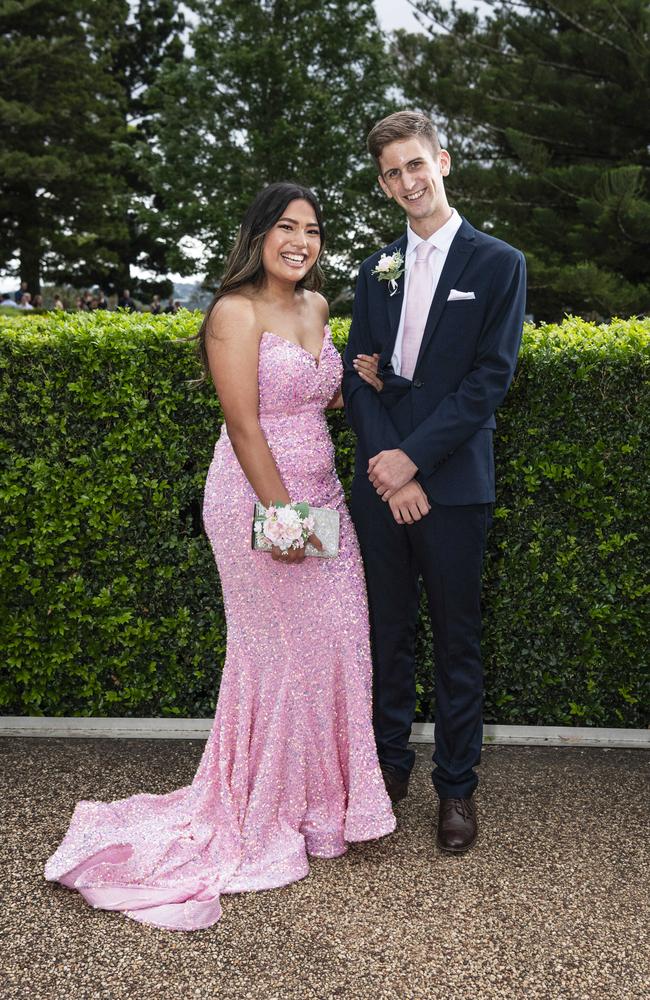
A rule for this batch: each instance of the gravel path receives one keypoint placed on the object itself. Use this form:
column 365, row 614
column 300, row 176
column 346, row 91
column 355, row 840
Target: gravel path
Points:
column 552, row 904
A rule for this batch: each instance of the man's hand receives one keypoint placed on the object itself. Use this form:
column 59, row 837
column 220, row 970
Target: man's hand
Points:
column 389, row 471
column 409, row 504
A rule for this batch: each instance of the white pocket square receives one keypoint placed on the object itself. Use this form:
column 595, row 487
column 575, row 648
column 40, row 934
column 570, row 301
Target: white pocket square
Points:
column 456, row 296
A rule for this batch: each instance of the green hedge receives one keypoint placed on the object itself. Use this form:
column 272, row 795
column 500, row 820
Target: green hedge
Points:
column 111, row 598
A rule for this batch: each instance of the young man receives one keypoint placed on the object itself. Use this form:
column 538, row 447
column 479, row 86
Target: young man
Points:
column 447, row 331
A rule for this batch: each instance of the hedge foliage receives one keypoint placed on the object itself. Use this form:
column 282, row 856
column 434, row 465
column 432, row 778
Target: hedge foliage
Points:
column 111, row 601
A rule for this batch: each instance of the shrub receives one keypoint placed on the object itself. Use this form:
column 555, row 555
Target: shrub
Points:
column 111, row 596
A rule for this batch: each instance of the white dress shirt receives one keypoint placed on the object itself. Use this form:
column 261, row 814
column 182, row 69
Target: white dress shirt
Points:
column 441, row 240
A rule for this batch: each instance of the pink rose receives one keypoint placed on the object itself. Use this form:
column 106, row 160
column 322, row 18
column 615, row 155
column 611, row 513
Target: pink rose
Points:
column 291, row 524
column 273, row 531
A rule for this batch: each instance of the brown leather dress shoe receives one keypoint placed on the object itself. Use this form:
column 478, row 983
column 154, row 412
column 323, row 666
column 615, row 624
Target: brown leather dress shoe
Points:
column 396, row 787
column 457, row 825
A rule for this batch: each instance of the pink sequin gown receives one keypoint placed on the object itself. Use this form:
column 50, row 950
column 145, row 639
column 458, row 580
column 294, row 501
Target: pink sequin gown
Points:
column 290, row 767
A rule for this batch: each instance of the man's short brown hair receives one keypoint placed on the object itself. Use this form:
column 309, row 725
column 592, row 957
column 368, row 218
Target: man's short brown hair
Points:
column 401, row 125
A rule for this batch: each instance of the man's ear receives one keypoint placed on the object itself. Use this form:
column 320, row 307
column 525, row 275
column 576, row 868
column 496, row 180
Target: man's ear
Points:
column 384, row 186
column 444, row 159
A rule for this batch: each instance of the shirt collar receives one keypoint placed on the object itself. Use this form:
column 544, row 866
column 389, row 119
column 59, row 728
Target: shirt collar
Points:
column 441, row 239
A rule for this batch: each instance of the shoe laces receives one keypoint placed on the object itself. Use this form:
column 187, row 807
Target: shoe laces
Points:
column 463, row 807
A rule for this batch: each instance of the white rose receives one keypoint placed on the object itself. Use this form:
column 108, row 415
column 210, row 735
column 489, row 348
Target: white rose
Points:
column 385, row 263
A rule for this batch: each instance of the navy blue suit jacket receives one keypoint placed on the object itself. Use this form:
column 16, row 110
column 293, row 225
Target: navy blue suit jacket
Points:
column 444, row 418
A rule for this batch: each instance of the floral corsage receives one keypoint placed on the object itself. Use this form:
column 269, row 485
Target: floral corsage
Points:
column 286, row 525
column 389, row 268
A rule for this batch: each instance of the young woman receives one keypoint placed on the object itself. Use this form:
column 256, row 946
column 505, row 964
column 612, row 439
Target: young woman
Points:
column 290, row 768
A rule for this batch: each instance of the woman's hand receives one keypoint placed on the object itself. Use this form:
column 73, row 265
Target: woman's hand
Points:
column 295, row 555
column 366, row 366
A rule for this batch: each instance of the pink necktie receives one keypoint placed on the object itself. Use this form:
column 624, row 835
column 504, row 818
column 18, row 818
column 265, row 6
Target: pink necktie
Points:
column 417, row 308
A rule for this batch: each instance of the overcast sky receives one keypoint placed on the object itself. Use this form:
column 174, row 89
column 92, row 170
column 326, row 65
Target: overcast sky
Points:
column 394, row 14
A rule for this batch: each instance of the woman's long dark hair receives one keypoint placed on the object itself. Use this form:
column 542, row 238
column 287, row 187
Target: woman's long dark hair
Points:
column 244, row 265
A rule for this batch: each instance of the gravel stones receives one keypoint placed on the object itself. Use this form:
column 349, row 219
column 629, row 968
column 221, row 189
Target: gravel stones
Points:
column 553, row 903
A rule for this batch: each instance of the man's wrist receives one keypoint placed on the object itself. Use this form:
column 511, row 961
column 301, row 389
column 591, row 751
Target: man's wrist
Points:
column 410, row 458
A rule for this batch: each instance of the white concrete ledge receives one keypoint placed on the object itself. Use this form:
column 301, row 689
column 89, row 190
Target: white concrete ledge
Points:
column 550, row 736
column 423, row 732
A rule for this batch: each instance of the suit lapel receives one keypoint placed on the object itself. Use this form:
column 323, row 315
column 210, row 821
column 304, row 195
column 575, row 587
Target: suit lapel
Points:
column 460, row 251
column 393, row 304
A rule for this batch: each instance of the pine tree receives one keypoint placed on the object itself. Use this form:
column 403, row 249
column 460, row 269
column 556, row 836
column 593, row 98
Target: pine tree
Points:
column 77, row 146
column 544, row 106
column 60, row 115
column 133, row 40
column 276, row 89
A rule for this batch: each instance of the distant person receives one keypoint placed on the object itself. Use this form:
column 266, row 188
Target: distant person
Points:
column 156, row 306
column 101, row 302
column 21, row 291
column 25, row 301
column 7, row 300
column 58, row 302
column 170, row 308
column 126, row 302
column 79, row 304
column 37, row 301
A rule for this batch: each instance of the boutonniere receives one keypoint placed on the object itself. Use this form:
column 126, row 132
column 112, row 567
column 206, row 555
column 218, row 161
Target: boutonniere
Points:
column 389, row 268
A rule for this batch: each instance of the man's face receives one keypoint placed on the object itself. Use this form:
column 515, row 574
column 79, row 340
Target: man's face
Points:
column 412, row 173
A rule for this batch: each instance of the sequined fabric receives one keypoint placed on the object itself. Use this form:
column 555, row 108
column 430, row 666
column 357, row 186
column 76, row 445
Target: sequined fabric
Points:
column 290, row 767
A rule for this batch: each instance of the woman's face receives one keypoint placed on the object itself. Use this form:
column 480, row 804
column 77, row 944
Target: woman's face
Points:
column 292, row 245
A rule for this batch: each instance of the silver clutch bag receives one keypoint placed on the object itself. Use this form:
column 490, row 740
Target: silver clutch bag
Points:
column 326, row 526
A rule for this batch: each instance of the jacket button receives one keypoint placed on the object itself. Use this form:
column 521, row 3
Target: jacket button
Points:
column 417, row 383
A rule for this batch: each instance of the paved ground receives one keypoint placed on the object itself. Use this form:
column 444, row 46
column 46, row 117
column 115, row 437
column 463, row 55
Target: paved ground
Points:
column 553, row 903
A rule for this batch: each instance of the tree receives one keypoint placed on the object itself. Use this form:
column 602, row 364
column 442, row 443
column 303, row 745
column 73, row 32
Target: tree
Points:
column 276, row 89
column 77, row 203
column 60, row 114
column 143, row 35
column 544, row 105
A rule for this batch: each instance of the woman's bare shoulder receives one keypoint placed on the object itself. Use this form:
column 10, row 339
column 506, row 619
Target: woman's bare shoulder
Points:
column 319, row 305
column 233, row 314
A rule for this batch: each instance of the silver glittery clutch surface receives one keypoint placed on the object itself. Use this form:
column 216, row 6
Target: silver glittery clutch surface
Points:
column 326, row 526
